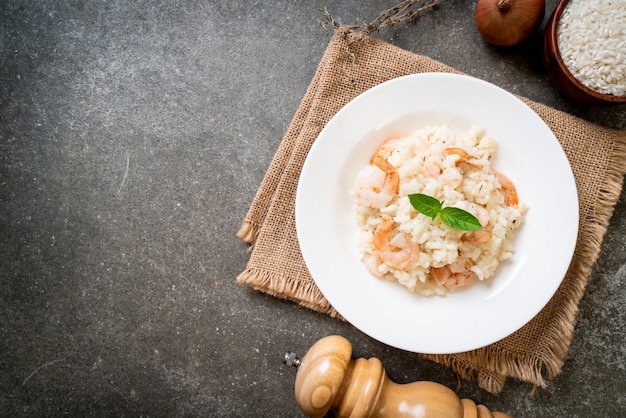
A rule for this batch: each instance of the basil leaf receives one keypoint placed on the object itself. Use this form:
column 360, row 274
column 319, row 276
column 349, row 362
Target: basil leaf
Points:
column 459, row 219
column 425, row 204
column 453, row 217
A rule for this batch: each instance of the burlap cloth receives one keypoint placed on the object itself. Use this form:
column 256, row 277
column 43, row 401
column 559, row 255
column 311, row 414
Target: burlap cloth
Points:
column 597, row 156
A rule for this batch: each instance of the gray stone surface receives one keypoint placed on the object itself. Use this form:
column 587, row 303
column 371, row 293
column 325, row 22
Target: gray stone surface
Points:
column 133, row 136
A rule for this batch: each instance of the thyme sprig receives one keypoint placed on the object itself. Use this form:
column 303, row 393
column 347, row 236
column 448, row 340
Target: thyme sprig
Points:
column 404, row 11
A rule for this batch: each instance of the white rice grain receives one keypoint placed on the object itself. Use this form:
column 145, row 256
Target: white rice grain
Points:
column 592, row 43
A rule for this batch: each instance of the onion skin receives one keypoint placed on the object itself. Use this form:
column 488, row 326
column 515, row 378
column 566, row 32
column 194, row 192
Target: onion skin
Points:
column 508, row 22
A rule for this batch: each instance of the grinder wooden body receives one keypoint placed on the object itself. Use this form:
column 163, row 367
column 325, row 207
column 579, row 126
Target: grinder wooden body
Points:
column 328, row 379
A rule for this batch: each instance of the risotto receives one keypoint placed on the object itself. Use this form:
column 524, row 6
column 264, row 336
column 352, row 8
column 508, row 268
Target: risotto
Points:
column 398, row 243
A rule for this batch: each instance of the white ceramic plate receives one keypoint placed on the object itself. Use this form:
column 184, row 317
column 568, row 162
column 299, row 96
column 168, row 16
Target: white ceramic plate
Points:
column 484, row 312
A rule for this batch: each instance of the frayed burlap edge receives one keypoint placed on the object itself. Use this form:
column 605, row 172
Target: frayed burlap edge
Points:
column 278, row 285
column 249, row 231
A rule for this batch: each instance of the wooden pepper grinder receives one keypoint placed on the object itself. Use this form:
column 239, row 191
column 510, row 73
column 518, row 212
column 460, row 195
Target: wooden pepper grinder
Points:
column 329, row 380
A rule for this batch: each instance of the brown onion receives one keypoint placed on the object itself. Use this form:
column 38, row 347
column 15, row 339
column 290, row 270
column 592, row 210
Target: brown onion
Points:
column 508, row 22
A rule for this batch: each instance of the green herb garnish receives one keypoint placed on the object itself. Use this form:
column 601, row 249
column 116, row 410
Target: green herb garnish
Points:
column 453, row 217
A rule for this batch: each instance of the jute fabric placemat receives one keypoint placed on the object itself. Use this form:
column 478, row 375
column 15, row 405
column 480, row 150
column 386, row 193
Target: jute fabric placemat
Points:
column 354, row 63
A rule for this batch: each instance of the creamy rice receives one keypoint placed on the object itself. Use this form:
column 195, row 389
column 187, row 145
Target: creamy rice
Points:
column 592, row 42
column 425, row 166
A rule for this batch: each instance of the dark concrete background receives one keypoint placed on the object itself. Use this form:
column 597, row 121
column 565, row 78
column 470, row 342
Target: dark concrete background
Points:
column 133, row 137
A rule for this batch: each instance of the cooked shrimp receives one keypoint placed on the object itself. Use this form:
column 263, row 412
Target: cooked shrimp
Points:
column 374, row 188
column 508, row 188
column 432, row 167
column 464, row 156
column 435, row 167
column 479, row 236
column 394, row 249
column 480, row 212
column 378, row 184
column 453, row 275
column 460, row 152
column 372, row 262
column 382, row 154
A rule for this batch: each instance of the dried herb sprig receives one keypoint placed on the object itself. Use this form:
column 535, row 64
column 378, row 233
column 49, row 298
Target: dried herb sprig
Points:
column 406, row 10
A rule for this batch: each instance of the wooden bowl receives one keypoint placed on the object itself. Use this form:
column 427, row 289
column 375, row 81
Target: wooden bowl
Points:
column 558, row 72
